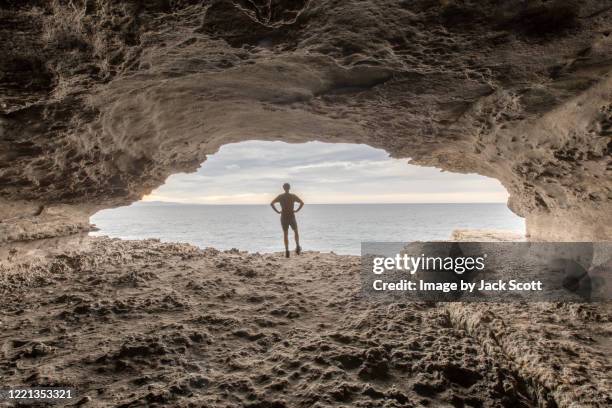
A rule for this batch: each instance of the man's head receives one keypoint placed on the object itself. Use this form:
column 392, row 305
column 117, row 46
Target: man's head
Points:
column 286, row 187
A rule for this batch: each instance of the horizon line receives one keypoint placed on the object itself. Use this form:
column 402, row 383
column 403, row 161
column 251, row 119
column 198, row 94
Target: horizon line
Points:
column 319, row 203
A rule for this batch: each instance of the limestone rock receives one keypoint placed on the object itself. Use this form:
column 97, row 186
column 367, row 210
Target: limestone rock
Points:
column 101, row 101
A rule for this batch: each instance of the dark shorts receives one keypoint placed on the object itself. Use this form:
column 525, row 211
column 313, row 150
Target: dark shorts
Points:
column 288, row 220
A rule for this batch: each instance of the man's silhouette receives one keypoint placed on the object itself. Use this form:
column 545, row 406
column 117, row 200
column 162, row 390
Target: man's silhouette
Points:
column 287, row 212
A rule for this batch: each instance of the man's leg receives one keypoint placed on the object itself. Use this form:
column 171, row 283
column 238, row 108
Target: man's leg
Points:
column 285, row 226
column 286, row 238
column 296, row 234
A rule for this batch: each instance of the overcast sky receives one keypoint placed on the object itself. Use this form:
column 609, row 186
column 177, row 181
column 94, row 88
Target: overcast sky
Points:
column 253, row 172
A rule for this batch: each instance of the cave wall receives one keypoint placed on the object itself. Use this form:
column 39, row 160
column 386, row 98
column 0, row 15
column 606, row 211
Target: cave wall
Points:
column 100, row 101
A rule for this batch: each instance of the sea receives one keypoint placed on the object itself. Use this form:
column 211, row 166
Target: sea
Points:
column 338, row 228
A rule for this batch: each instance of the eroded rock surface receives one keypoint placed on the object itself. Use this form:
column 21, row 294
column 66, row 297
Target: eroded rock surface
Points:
column 143, row 323
column 101, row 100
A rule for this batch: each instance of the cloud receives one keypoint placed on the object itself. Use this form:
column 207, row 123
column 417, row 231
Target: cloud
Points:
column 253, row 172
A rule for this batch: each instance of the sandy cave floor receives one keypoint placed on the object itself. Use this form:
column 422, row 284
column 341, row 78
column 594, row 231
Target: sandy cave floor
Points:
column 143, row 323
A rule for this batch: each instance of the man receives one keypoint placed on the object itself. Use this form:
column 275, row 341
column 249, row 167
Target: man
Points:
column 287, row 212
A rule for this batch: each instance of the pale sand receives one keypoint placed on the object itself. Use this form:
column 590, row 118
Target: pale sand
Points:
column 141, row 323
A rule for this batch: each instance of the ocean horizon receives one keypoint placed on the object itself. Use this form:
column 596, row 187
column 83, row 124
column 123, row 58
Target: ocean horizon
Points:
column 338, row 228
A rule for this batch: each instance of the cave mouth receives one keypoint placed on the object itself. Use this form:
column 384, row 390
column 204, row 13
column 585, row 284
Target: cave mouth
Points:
column 353, row 192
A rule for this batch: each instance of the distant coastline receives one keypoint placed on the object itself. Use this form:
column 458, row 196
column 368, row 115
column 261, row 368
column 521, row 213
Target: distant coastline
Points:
column 171, row 203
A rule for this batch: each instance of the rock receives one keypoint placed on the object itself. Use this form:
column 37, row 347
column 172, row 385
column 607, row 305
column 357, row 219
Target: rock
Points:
column 86, row 399
column 102, row 101
column 170, row 346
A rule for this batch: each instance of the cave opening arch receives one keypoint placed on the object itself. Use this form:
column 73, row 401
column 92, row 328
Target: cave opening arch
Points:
column 354, row 193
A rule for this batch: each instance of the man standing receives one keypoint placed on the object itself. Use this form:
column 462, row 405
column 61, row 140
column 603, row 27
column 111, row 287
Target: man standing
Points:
column 287, row 212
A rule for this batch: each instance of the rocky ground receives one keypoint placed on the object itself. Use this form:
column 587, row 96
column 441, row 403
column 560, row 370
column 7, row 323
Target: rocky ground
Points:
column 143, row 323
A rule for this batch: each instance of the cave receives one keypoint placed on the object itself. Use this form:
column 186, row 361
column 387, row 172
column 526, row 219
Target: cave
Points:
column 99, row 115
column 101, row 101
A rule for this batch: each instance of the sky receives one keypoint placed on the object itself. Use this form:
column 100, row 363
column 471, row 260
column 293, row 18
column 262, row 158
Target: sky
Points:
column 253, row 173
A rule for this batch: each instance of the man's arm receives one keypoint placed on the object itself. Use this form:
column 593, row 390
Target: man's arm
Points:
column 299, row 200
column 274, row 202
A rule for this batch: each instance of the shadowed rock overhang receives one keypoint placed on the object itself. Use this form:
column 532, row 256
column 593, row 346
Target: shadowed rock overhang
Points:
column 101, row 101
